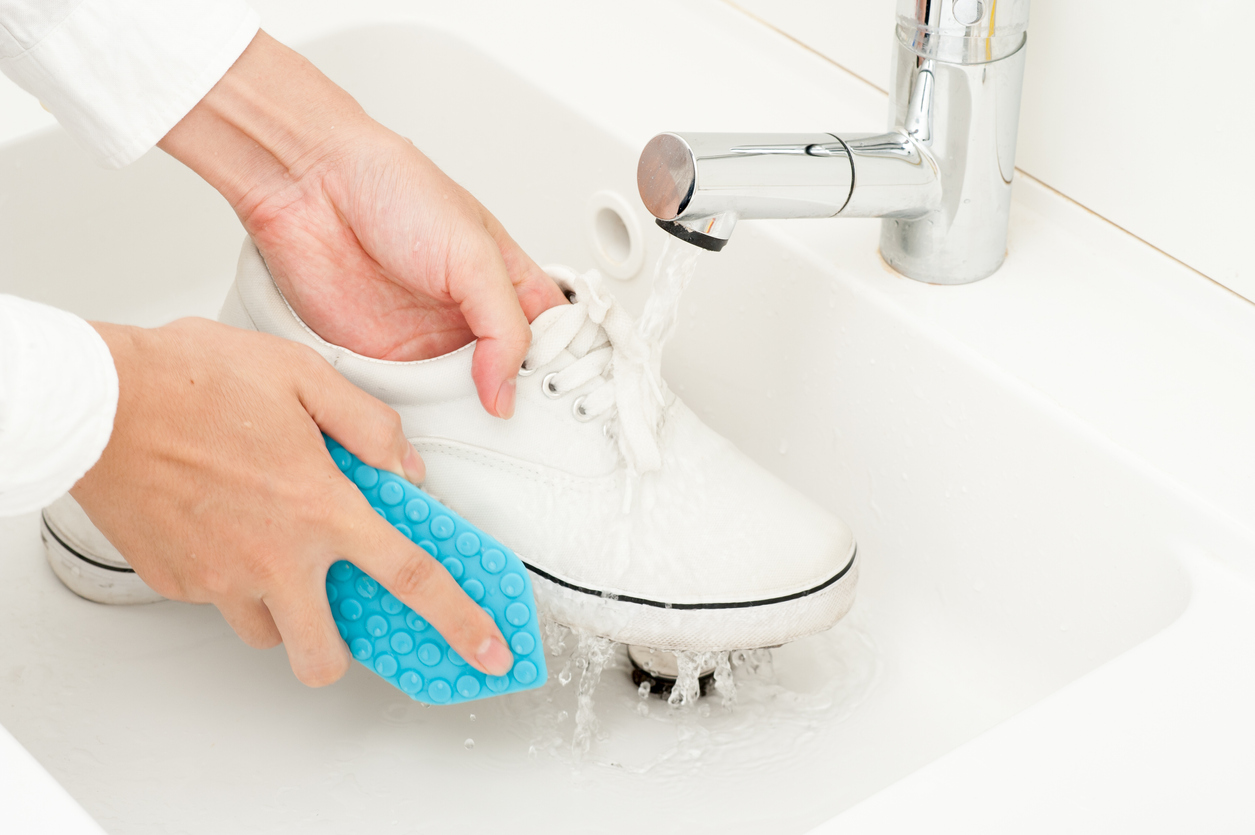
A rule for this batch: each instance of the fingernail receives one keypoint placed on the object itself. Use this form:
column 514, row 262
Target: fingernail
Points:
column 415, row 469
column 505, row 398
column 494, row 657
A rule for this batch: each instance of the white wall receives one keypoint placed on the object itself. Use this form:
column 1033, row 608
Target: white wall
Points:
column 1140, row 110
column 1137, row 109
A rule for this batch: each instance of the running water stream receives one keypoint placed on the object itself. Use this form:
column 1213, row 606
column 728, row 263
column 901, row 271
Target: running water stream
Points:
column 672, row 275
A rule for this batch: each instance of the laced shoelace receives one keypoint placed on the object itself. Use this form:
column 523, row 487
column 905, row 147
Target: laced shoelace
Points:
column 603, row 338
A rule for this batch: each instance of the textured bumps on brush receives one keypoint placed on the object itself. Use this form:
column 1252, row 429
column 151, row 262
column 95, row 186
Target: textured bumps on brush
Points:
column 391, row 639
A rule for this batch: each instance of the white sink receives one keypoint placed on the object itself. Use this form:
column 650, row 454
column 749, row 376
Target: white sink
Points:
column 1009, row 547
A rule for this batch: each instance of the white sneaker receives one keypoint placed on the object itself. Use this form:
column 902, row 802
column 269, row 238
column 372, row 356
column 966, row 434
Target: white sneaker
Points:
column 85, row 561
column 638, row 522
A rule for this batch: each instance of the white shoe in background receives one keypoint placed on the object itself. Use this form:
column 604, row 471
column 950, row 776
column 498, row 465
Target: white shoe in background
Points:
column 85, row 561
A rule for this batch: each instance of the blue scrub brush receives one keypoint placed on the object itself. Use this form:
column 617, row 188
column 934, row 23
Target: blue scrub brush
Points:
column 391, row 639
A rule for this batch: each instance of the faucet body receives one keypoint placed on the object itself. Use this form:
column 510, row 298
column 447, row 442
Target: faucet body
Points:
column 940, row 177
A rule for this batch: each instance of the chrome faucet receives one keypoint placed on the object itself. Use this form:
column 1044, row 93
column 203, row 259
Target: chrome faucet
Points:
column 940, row 178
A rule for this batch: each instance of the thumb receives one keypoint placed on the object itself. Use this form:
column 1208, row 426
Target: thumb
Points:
column 364, row 425
column 481, row 286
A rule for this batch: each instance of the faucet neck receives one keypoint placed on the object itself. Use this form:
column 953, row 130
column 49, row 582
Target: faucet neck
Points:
column 962, row 31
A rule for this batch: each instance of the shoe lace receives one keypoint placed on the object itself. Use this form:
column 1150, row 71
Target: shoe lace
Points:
column 602, row 336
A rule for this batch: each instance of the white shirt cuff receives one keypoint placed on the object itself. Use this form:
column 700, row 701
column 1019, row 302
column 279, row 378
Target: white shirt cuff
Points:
column 58, row 395
column 119, row 74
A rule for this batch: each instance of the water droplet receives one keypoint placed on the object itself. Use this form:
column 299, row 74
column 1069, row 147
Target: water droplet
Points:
column 564, row 677
column 643, row 690
column 470, row 743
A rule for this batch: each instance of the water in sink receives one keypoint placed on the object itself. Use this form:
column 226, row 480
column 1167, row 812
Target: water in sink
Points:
column 771, row 703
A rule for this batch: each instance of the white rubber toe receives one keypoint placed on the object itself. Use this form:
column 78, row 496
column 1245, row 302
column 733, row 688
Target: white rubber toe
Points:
column 705, row 627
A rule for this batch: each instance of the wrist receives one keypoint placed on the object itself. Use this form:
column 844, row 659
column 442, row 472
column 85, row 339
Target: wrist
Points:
column 124, row 344
column 269, row 123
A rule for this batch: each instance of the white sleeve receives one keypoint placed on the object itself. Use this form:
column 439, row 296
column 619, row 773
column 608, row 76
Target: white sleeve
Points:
column 58, row 394
column 118, row 74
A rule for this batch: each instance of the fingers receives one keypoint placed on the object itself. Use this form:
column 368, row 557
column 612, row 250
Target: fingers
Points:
column 303, row 617
column 536, row 291
column 252, row 621
column 482, row 289
column 418, row 581
column 363, row 425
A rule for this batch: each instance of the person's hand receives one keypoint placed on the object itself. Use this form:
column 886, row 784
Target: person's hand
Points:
column 217, row 487
column 374, row 247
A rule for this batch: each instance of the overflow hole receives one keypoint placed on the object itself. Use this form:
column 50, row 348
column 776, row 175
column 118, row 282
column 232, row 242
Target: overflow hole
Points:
column 615, row 235
column 612, row 235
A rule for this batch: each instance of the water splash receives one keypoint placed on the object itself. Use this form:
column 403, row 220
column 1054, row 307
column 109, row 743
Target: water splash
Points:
column 762, row 707
column 690, row 666
column 725, row 684
column 593, row 652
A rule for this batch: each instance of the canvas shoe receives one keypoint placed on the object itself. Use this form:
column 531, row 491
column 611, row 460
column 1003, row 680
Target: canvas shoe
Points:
column 638, row 522
column 85, row 561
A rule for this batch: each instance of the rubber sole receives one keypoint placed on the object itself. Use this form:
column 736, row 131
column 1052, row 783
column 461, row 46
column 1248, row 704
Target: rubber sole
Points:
column 699, row 627
column 677, row 627
column 89, row 579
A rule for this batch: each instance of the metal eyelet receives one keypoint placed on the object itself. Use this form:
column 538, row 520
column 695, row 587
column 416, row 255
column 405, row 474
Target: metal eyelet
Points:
column 577, row 409
column 546, row 386
column 524, row 371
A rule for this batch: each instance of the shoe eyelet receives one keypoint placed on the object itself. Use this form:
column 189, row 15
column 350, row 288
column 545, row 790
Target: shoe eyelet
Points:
column 577, row 409
column 524, row 371
column 547, row 387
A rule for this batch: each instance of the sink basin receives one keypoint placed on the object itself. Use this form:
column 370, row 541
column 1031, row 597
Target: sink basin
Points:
column 1008, row 548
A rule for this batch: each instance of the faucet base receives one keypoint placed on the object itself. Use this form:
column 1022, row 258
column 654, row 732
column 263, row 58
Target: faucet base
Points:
column 965, row 117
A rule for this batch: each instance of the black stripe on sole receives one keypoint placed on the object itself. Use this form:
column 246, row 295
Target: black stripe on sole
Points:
column 744, row 604
column 76, row 553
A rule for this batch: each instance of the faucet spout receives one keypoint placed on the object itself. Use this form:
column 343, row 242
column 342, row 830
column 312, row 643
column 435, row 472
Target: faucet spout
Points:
column 940, row 177
column 709, row 233
column 698, row 185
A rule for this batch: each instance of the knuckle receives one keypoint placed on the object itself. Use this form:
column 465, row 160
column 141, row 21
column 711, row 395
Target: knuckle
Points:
column 255, row 640
column 388, row 422
column 166, row 585
column 305, row 357
column 266, row 569
column 385, row 427
column 258, row 636
column 213, row 583
column 413, row 577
